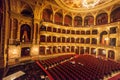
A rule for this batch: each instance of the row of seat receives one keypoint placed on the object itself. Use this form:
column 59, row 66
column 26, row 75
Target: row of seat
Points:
column 83, row 67
column 51, row 62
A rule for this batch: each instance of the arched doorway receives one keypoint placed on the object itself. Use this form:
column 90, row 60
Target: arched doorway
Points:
column 103, row 37
column 25, row 33
column 25, row 52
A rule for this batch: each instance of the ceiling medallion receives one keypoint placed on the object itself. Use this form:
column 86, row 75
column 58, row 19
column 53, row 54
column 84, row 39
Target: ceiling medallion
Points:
column 90, row 3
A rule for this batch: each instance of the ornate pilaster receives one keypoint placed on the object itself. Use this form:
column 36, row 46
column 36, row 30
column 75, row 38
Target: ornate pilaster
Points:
column 34, row 37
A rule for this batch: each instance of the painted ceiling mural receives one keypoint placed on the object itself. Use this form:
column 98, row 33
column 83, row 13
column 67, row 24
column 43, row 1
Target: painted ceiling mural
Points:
column 83, row 3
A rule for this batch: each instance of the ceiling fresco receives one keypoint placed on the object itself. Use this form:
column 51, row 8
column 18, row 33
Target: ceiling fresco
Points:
column 81, row 3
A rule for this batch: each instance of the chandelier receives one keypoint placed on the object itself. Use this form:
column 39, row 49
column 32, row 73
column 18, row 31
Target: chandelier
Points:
column 90, row 3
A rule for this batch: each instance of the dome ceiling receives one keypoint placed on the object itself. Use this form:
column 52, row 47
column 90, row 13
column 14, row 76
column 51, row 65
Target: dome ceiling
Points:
column 79, row 3
column 84, row 5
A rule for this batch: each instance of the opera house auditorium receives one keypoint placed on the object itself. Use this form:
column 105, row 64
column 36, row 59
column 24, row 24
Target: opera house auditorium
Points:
column 59, row 39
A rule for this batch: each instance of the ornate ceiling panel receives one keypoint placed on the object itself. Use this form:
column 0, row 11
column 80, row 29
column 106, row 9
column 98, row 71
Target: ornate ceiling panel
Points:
column 85, row 5
column 79, row 3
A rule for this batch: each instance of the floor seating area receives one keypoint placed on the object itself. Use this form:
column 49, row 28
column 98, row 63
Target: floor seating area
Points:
column 55, row 61
column 66, row 67
column 32, row 71
column 83, row 67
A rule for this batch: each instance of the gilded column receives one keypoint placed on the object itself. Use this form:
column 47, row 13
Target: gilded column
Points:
column 84, row 40
column 38, row 34
column 90, row 35
column 89, row 50
column 34, row 37
column 106, row 53
column 97, row 52
column 83, row 20
column 63, row 19
column 72, row 21
column 45, row 50
column 79, row 50
column 95, row 20
column 98, row 38
column 53, row 17
column 56, row 49
column 51, row 49
column 108, row 17
column 117, row 54
column 84, row 50
column 117, row 37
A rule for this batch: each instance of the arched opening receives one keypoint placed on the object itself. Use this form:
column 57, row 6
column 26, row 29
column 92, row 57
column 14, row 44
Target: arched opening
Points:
column 115, row 15
column 88, row 32
column 72, row 40
column 68, row 40
column 63, row 49
column 25, row 52
column 77, row 50
column 102, row 52
column 88, row 21
column 112, row 42
column 103, row 37
column 25, row 33
column 63, row 39
column 87, row 40
column 58, row 39
column 68, row 48
column 77, row 40
column 111, row 54
column 83, row 32
column 78, row 32
column 77, row 21
column 68, row 20
column 93, row 51
column 81, row 50
column 42, row 50
column 94, row 41
column 72, row 48
column 49, row 29
column 86, row 50
column 43, row 28
column 42, row 38
column 48, row 38
column 58, row 18
column 47, row 15
column 59, row 49
column 54, row 39
column 54, row 29
column 48, row 50
column 82, row 40
column 102, row 19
